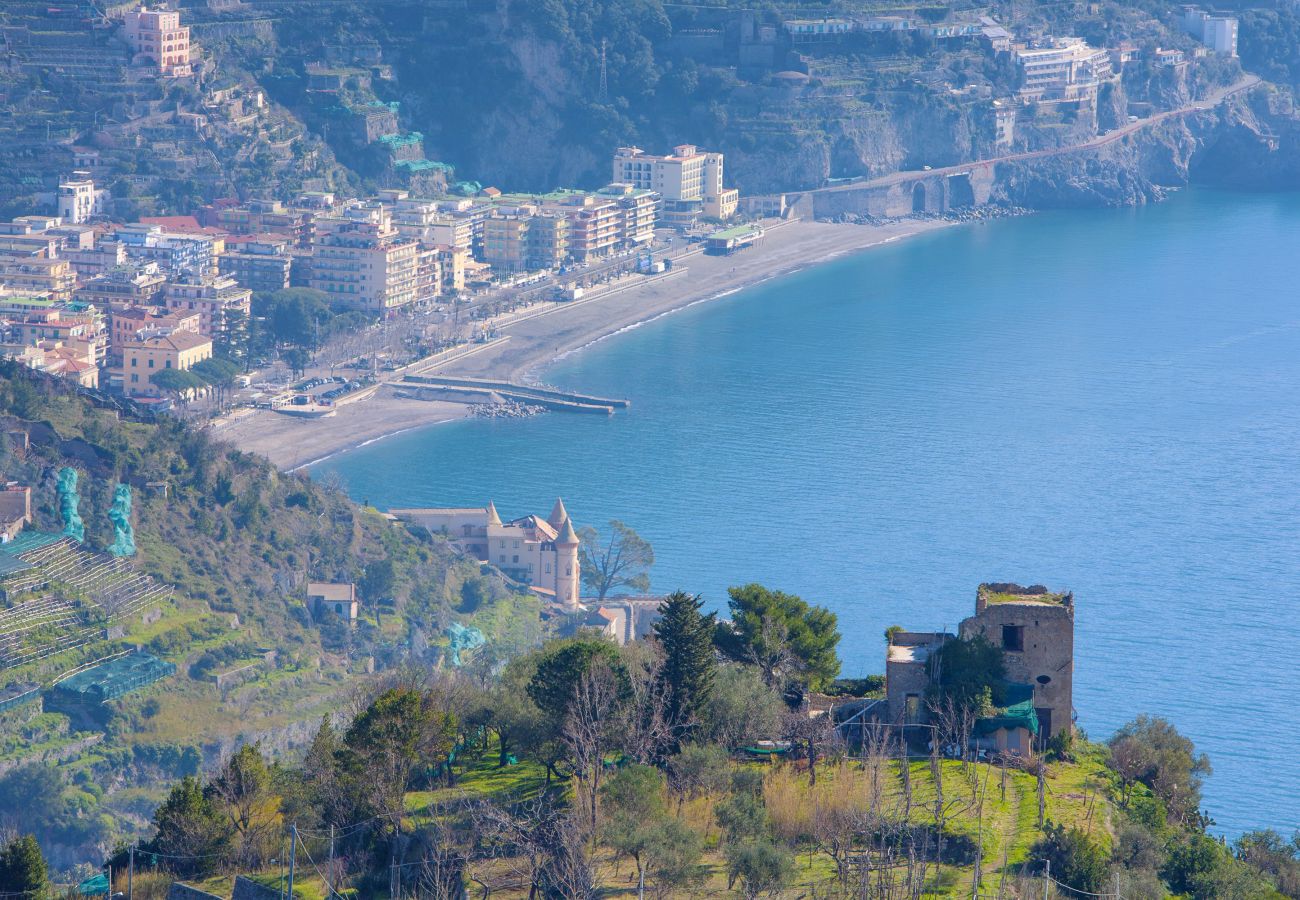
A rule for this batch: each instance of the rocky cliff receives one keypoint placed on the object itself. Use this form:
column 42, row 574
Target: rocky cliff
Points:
column 1250, row 142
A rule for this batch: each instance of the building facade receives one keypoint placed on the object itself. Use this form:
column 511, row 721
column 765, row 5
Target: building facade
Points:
column 541, row 553
column 145, row 356
column 1034, row 629
column 159, row 37
column 688, row 180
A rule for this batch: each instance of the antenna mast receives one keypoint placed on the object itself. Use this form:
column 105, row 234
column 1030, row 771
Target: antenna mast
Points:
column 604, row 73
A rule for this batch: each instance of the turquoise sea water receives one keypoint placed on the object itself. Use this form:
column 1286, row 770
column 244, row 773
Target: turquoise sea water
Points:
column 1102, row 401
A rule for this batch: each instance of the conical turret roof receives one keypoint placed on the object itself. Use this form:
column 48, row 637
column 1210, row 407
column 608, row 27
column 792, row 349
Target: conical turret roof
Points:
column 568, row 537
column 493, row 518
column 558, row 513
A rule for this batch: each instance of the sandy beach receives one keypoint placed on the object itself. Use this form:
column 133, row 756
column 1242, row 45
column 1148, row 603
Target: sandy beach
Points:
column 538, row 339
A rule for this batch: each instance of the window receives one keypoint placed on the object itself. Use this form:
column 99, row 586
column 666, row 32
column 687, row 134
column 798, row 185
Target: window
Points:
column 134, row 362
column 1013, row 638
column 151, row 363
column 515, row 559
column 135, row 379
column 1044, row 679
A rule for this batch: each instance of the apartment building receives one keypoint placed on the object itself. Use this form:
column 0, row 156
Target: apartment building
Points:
column 129, row 323
column 78, row 199
column 261, row 265
column 175, row 253
column 526, row 238
column 362, row 262
column 1064, row 69
column 595, row 227
column 223, row 306
column 50, row 276
column 147, row 355
column 1219, row 33
column 157, row 36
column 640, row 208
column 689, row 181
column 40, row 321
column 132, row 285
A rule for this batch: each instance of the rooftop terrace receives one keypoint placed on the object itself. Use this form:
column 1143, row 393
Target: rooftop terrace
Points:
column 993, row 594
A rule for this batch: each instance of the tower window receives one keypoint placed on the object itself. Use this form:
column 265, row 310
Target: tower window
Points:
column 1013, row 638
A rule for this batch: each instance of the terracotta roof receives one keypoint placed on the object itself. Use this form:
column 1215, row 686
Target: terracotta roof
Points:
column 177, row 340
column 558, row 513
column 567, row 536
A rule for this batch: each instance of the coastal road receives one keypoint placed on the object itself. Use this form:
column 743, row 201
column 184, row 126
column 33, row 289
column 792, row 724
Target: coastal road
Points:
column 1128, row 128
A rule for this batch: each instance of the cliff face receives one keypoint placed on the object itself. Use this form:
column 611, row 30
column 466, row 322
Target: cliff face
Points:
column 1250, row 142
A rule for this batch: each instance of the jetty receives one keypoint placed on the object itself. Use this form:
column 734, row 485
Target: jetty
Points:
column 490, row 391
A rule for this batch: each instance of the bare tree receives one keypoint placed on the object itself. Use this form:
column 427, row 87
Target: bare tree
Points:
column 588, row 731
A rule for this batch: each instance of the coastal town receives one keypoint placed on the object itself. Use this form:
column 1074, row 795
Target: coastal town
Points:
column 255, row 646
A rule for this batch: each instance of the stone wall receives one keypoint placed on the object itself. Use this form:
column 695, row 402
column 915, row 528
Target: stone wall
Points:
column 1045, row 659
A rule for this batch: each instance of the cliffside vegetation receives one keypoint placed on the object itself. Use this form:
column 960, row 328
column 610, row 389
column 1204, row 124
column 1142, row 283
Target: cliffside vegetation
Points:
column 237, row 540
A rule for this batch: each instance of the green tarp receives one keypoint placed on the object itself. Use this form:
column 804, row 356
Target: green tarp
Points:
column 94, row 886
column 1018, row 712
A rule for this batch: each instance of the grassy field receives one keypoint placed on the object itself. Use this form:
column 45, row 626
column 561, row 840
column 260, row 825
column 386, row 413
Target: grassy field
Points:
column 987, row 811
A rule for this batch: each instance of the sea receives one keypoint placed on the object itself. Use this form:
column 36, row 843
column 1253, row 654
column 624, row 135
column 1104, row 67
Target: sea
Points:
column 1101, row 401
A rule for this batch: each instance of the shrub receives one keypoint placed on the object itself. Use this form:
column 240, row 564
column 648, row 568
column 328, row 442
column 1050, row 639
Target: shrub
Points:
column 1077, row 862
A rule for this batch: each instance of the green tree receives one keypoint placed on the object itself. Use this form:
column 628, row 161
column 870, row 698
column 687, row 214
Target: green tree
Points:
column 970, row 673
column 740, row 709
column 562, row 666
column 180, row 384
column 397, row 732
column 792, row 642
column 637, row 824
column 242, row 794
column 762, row 867
column 189, row 827
column 1077, row 862
column 23, row 869
column 297, row 360
column 686, row 679
column 1149, row 750
column 621, row 562
column 378, row 581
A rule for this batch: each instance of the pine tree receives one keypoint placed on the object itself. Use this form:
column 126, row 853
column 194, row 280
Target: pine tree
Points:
column 22, row 868
column 686, row 636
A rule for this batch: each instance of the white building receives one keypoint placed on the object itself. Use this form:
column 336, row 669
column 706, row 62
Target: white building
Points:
column 1066, row 69
column 1219, row 33
column 78, row 199
column 688, row 180
column 541, row 553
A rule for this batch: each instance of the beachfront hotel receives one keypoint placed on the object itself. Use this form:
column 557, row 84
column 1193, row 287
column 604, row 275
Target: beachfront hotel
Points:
column 688, row 179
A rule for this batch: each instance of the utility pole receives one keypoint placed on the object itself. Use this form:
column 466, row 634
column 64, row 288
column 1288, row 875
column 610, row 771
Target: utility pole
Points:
column 293, row 850
column 130, row 873
column 331, row 866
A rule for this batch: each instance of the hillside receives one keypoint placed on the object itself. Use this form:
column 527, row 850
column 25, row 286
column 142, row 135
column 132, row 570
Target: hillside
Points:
column 228, row 544
column 349, row 95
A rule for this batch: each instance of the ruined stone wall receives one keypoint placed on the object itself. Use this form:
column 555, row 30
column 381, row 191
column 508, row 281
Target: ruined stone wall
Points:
column 1047, row 658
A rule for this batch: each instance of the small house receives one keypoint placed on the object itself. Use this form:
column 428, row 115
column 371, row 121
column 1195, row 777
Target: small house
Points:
column 324, row 597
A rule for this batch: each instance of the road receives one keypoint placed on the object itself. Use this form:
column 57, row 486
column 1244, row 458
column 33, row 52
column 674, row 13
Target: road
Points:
column 1102, row 140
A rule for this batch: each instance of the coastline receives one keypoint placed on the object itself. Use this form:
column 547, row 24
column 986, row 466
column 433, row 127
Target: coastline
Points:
column 536, row 341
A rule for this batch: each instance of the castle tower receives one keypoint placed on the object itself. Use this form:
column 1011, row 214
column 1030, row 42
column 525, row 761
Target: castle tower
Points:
column 567, row 571
column 558, row 514
column 1034, row 629
column 492, row 517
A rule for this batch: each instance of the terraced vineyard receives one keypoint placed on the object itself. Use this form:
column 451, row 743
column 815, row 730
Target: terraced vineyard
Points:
column 63, row 597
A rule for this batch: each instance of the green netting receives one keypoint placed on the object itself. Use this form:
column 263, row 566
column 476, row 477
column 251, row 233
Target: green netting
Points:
column 11, row 565
column 1018, row 712
column 110, row 680
column 30, row 540
column 94, row 886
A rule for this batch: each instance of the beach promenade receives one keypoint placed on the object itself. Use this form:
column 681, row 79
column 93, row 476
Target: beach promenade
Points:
column 532, row 339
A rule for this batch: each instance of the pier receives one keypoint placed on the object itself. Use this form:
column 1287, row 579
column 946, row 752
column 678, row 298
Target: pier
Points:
column 562, row 401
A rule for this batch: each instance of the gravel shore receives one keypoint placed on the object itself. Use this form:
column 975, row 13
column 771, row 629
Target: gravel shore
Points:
column 538, row 340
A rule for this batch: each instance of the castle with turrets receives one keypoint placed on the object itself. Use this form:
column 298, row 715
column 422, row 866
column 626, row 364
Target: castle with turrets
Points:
column 541, row 553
